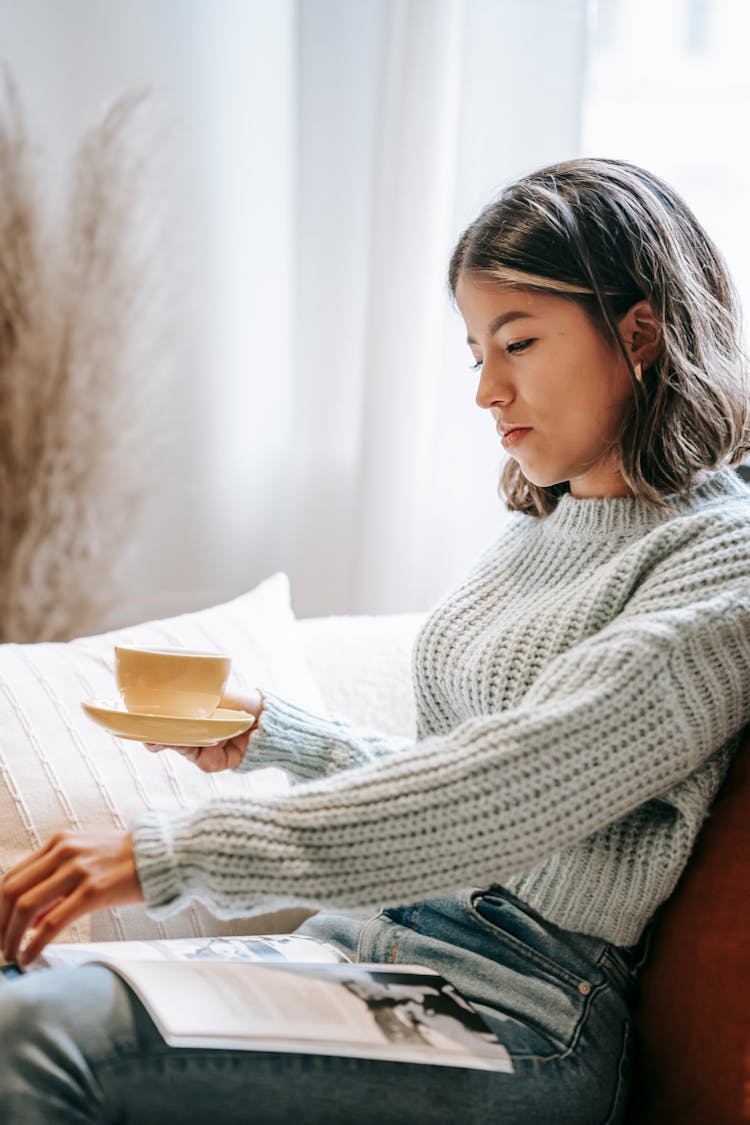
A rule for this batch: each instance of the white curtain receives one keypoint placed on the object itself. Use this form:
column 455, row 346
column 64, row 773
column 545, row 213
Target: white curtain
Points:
column 678, row 101
column 412, row 113
column 324, row 156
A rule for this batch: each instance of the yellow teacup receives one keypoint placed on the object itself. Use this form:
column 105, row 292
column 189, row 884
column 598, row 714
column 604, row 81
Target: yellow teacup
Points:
column 163, row 681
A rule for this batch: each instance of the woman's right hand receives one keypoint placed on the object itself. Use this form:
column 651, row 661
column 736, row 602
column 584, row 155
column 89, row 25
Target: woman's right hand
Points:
column 226, row 755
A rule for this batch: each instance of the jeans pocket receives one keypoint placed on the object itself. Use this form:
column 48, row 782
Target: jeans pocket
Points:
column 540, row 983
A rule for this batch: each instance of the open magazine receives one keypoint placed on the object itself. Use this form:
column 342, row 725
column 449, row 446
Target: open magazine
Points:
column 287, row 992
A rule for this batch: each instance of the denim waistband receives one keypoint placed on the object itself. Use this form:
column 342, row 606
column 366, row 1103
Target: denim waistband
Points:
column 498, row 915
column 480, row 927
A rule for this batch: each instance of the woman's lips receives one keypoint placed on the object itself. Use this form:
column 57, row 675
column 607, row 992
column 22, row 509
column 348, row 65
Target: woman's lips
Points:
column 512, row 437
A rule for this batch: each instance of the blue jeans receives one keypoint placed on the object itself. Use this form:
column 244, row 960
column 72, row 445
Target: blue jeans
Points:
column 77, row 1046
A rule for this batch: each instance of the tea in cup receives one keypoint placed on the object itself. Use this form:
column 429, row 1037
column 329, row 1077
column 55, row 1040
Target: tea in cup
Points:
column 164, row 681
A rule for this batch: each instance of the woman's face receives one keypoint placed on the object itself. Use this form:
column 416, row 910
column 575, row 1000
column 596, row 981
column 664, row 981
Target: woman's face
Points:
column 555, row 387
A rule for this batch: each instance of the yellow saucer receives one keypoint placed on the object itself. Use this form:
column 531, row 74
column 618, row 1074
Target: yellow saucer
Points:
column 169, row 730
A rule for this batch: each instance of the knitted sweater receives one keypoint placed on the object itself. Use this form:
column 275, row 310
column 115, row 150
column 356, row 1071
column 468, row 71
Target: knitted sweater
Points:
column 579, row 697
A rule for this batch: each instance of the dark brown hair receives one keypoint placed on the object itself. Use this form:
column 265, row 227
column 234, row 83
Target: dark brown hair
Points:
column 608, row 234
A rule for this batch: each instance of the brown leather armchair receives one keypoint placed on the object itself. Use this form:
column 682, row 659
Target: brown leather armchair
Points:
column 692, row 1005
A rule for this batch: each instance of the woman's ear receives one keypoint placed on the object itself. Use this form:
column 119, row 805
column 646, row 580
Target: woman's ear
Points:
column 641, row 333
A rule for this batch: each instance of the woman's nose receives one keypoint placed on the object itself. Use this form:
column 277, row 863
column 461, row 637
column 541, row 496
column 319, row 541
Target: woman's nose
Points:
column 493, row 389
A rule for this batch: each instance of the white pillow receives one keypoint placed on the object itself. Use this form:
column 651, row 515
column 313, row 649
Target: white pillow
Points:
column 363, row 666
column 59, row 770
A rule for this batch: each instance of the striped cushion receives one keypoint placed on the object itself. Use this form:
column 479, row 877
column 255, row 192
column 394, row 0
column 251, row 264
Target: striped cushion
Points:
column 59, row 770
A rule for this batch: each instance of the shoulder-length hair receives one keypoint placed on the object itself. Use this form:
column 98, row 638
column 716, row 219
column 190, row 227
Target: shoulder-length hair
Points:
column 607, row 234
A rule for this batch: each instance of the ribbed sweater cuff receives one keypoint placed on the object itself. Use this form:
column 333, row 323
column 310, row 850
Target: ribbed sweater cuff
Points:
column 156, row 862
column 288, row 736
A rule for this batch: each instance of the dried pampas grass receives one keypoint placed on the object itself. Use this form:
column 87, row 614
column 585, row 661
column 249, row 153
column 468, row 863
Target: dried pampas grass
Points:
column 82, row 368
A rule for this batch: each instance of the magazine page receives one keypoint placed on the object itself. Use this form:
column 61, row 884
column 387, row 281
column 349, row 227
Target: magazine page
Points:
column 282, row 948
column 396, row 1012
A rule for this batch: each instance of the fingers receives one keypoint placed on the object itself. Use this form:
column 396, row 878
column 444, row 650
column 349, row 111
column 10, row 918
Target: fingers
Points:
column 35, row 868
column 204, row 756
column 75, row 873
column 212, row 759
column 192, row 753
column 29, row 891
column 225, row 755
column 55, row 920
column 28, row 904
column 250, row 702
column 189, row 752
column 235, row 751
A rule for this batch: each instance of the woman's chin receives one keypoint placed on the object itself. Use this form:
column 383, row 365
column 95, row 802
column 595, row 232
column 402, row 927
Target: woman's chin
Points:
column 541, row 479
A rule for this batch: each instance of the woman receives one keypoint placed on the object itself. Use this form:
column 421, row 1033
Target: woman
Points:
column 579, row 698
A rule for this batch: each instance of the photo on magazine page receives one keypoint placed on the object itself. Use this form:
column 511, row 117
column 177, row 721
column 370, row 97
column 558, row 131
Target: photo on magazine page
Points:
column 407, row 1009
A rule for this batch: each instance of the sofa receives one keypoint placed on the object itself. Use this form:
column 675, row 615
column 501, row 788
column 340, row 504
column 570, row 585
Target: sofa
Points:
column 58, row 770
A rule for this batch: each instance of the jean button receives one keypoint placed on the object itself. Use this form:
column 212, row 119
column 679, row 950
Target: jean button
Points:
column 584, row 988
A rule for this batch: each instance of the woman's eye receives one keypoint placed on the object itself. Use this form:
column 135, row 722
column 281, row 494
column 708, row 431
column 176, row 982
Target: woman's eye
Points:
column 513, row 349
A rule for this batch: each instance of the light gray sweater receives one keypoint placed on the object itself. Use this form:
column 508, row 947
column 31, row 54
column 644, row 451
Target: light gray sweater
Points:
column 579, row 697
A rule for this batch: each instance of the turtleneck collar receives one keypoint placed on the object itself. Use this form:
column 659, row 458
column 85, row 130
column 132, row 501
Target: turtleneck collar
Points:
column 626, row 515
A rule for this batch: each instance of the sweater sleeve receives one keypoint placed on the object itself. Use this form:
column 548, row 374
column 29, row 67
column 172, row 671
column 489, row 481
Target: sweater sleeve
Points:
column 613, row 722
column 310, row 746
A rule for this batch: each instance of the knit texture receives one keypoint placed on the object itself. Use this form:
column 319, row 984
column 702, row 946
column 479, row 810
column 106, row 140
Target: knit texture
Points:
column 579, row 697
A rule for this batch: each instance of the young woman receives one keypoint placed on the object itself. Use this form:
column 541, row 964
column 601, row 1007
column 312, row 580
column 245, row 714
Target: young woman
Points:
column 579, row 699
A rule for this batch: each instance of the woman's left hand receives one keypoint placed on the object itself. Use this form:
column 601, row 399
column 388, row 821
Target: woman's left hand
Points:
column 76, row 873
